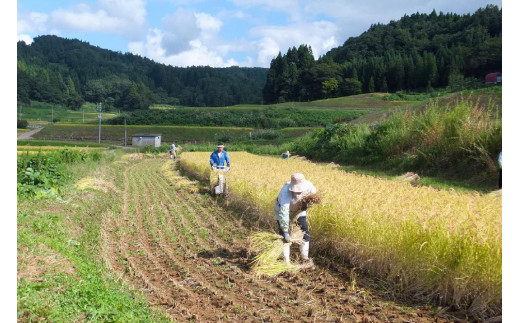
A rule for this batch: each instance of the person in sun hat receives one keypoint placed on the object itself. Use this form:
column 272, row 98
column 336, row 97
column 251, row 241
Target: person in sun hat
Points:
column 288, row 205
column 286, row 155
column 219, row 157
column 172, row 149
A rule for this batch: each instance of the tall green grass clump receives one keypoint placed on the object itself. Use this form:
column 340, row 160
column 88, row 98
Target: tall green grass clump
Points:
column 42, row 174
column 463, row 140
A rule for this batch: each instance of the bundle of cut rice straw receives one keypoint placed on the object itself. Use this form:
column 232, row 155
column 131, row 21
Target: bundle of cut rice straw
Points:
column 269, row 247
column 312, row 199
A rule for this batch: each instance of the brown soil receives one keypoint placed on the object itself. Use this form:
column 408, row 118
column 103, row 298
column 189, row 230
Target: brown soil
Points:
column 189, row 256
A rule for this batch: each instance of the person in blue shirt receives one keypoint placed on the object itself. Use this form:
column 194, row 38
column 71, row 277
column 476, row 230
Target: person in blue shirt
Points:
column 218, row 157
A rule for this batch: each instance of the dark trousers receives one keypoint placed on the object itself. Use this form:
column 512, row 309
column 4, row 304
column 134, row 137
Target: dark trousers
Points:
column 304, row 226
column 500, row 179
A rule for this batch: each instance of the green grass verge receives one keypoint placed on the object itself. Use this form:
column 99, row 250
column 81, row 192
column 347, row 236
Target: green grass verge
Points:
column 61, row 277
column 58, row 143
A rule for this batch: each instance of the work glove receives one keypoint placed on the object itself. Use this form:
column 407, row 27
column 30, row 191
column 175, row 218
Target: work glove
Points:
column 286, row 237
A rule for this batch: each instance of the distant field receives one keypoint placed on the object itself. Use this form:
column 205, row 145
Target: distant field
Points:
column 54, row 148
column 43, row 113
column 360, row 101
column 40, row 143
column 115, row 134
column 19, row 131
column 22, row 150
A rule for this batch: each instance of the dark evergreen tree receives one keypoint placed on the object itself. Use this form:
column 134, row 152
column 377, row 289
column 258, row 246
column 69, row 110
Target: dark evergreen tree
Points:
column 417, row 52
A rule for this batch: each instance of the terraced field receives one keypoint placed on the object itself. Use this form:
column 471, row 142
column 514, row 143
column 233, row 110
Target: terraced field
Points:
column 190, row 257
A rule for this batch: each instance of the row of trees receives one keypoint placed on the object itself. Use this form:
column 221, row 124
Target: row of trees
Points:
column 69, row 72
column 418, row 52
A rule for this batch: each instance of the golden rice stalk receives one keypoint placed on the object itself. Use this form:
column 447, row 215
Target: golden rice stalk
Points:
column 269, row 247
column 274, row 268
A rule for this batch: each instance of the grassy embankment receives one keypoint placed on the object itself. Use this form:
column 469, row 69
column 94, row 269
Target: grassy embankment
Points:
column 442, row 247
column 455, row 138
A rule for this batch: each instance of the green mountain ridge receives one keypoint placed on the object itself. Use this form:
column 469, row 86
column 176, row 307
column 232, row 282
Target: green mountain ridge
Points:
column 69, row 72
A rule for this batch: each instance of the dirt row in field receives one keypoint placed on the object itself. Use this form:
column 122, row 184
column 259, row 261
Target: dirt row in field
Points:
column 190, row 257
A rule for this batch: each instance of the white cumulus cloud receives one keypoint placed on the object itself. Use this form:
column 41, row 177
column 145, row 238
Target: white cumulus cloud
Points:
column 320, row 35
column 25, row 38
column 179, row 29
column 33, row 22
column 195, row 53
column 187, row 38
column 121, row 17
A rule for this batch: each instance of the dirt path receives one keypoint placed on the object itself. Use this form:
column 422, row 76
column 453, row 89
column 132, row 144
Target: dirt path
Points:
column 190, row 257
column 28, row 134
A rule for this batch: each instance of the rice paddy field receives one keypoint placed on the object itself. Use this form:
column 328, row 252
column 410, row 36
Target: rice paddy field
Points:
column 133, row 240
column 42, row 113
column 441, row 246
column 35, row 150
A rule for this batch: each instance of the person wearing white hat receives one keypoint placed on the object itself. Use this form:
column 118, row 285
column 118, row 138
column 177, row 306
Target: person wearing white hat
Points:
column 219, row 156
column 288, row 205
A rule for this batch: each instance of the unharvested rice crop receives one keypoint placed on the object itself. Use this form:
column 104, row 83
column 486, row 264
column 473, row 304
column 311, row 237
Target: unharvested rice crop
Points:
column 442, row 246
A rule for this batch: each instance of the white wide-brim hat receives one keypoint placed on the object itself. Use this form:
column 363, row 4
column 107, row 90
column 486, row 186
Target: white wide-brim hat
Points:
column 298, row 183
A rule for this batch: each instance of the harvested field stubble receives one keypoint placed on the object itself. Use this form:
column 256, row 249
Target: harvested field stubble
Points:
column 441, row 246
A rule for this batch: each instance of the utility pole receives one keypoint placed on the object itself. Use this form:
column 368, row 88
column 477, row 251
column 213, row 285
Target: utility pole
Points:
column 99, row 116
column 125, row 130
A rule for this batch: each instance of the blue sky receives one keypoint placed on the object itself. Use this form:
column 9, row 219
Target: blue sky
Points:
column 219, row 32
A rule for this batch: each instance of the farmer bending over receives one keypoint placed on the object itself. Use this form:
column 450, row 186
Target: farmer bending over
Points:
column 218, row 157
column 289, row 202
column 172, row 149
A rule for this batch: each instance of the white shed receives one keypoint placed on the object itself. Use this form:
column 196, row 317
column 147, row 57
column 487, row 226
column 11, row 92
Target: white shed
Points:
column 146, row 139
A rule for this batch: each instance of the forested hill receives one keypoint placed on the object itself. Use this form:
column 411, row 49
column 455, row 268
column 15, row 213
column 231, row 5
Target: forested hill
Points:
column 70, row 71
column 417, row 52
